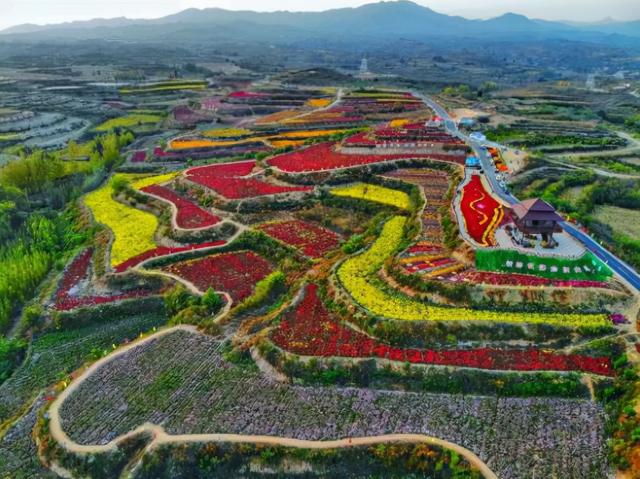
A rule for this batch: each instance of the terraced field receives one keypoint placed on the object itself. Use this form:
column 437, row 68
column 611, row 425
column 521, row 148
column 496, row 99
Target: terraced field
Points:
column 181, row 382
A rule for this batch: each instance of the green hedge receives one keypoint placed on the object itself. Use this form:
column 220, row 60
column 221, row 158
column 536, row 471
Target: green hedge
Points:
column 506, row 261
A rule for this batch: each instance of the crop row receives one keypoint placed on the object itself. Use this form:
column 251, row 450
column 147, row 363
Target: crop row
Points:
column 310, row 330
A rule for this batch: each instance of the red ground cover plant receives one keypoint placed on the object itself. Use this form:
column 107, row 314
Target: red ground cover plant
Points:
column 481, row 212
column 190, row 215
column 236, row 273
column 311, row 330
column 314, row 241
column 139, row 157
column 230, row 180
column 164, row 251
column 78, row 270
column 509, row 279
column 324, row 156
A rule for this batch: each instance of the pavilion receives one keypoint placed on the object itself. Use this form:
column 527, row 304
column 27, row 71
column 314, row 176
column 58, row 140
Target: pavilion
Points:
column 537, row 217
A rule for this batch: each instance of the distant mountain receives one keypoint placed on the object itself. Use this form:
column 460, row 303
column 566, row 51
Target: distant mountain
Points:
column 397, row 19
column 81, row 24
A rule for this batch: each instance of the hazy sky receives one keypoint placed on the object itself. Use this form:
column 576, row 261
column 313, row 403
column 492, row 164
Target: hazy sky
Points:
column 13, row 12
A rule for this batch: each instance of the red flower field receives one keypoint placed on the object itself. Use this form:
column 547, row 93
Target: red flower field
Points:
column 509, row 279
column 314, row 241
column 189, row 214
column 77, row 271
column 310, row 330
column 482, row 213
column 236, row 273
column 323, row 156
column 163, row 251
column 230, row 180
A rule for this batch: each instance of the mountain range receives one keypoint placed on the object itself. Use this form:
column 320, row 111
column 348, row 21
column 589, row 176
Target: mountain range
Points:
column 384, row 20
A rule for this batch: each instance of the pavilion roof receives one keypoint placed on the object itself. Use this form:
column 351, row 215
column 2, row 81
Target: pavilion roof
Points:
column 536, row 210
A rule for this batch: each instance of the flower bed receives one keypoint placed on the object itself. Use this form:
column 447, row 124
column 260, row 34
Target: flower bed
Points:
column 180, row 144
column 324, row 156
column 164, row 251
column 189, row 215
column 481, row 212
column 314, row 241
column 230, row 180
column 67, row 299
column 378, row 194
column 139, row 157
column 356, row 274
column 513, row 279
column 133, row 230
column 310, row 330
column 235, row 273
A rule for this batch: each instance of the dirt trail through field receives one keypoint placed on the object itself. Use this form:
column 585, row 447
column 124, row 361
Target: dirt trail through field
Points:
column 160, row 436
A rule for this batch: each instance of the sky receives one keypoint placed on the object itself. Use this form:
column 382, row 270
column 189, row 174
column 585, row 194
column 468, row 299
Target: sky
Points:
column 15, row 12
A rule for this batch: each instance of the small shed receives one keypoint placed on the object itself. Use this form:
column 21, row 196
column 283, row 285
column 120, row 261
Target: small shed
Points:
column 472, row 162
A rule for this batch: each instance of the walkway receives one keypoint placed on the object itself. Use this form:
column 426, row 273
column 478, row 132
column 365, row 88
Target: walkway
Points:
column 160, row 436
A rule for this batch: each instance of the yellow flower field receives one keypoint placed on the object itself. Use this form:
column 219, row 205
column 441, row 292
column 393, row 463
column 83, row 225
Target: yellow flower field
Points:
column 319, row 102
column 378, row 194
column 128, row 121
column 308, row 133
column 286, row 143
column 133, row 230
column 138, row 182
column 356, row 275
column 398, row 123
column 227, row 132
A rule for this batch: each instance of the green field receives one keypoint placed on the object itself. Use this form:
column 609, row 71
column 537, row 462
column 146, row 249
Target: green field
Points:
column 621, row 220
column 587, row 267
column 129, row 121
column 164, row 87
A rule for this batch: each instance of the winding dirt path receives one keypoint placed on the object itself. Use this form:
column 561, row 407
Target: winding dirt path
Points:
column 160, row 436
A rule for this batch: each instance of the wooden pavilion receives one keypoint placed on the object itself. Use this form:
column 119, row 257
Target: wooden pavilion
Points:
column 537, row 217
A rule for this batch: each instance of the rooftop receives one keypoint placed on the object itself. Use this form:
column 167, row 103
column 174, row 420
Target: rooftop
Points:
column 536, row 209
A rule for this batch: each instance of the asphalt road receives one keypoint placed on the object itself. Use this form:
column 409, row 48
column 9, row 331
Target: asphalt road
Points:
column 625, row 271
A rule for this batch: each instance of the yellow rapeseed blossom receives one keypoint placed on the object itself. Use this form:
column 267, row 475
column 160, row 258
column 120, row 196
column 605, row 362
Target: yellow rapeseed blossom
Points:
column 378, row 194
column 138, row 182
column 319, row 102
column 358, row 275
column 133, row 230
column 128, row 121
column 226, row 132
column 398, row 123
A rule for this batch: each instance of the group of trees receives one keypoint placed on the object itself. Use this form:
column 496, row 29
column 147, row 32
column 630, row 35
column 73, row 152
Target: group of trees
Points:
column 39, row 227
column 465, row 91
column 595, row 191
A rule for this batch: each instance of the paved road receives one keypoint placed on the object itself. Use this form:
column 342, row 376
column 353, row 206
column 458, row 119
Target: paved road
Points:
column 625, row 271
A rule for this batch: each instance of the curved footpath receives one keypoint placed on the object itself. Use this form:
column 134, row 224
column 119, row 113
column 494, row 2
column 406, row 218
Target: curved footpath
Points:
column 160, row 436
